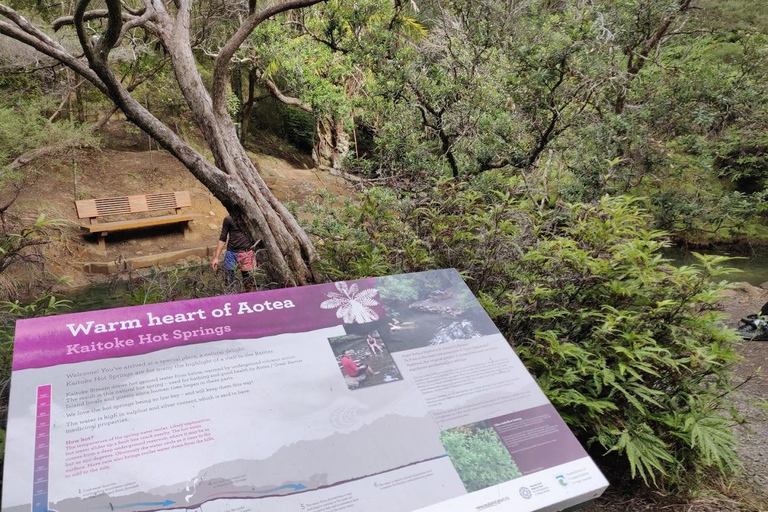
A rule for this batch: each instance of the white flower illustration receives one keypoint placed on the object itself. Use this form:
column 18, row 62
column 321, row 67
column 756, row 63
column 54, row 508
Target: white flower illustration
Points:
column 351, row 305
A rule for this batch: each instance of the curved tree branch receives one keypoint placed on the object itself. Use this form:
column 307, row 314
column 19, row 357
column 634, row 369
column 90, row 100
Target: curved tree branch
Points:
column 275, row 91
column 58, row 54
column 221, row 65
column 58, row 23
column 97, row 51
column 135, row 12
column 141, row 21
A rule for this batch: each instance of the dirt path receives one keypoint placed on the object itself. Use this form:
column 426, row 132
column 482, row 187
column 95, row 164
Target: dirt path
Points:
column 751, row 399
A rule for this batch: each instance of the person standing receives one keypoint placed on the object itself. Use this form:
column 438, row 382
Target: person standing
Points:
column 239, row 253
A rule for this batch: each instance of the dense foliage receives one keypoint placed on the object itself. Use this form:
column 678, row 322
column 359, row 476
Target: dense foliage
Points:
column 18, row 250
column 661, row 99
column 629, row 348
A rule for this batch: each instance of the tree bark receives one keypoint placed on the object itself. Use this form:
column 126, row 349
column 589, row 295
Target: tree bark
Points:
column 235, row 180
column 331, row 143
column 248, row 106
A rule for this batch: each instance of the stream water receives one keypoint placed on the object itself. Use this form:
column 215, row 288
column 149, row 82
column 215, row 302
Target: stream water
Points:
column 751, row 268
column 97, row 296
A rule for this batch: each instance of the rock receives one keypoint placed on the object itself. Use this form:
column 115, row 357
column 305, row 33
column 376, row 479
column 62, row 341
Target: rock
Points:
column 459, row 330
column 764, row 286
column 213, row 226
column 447, row 304
column 749, row 289
column 728, row 294
column 211, row 213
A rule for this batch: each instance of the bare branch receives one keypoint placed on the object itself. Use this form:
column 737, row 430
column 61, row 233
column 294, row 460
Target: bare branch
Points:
column 66, row 98
column 275, row 91
column 131, row 10
column 88, row 16
column 129, row 25
column 330, row 44
column 55, row 52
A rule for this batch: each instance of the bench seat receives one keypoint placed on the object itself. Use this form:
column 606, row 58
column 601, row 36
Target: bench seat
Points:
column 121, row 225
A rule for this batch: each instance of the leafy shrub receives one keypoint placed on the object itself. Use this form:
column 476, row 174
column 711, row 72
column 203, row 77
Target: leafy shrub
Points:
column 180, row 283
column 629, row 349
column 25, row 128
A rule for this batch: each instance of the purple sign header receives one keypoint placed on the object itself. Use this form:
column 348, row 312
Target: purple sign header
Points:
column 130, row 331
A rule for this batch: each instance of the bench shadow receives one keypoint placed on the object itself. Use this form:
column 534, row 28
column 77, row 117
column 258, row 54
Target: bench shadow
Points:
column 140, row 234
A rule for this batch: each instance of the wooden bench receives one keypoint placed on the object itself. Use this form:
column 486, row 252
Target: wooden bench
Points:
column 94, row 208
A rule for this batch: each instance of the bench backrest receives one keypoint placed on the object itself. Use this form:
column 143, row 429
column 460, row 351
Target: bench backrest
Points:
column 92, row 208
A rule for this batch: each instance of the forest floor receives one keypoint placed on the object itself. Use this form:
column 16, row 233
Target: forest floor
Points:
column 124, row 166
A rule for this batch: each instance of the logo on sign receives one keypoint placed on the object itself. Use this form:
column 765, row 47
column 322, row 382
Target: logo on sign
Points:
column 526, row 493
column 561, row 480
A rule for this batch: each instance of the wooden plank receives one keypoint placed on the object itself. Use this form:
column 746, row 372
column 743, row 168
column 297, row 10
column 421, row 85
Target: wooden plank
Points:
column 183, row 200
column 161, row 201
column 113, row 205
column 138, row 203
column 86, row 208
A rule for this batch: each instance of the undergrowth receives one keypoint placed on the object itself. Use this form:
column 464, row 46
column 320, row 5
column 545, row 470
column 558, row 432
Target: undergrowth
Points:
column 629, row 348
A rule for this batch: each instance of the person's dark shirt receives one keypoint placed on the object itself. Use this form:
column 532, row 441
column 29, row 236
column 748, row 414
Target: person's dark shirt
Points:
column 238, row 239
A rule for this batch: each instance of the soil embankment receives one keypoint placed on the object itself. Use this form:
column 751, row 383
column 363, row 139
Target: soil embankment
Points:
column 125, row 166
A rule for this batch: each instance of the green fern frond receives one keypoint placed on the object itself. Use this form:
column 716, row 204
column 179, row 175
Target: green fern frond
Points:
column 713, row 439
column 647, row 453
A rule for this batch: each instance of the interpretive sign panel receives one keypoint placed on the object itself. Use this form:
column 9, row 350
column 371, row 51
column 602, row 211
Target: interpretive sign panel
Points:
column 389, row 394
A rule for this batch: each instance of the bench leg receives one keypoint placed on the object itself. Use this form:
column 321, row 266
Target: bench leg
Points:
column 103, row 242
column 185, row 229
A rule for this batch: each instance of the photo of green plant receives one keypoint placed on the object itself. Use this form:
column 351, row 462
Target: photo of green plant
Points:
column 478, row 455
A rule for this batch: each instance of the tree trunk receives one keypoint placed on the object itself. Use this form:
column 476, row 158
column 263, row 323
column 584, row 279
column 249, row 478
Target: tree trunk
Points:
column 331, row 143
column 243, row 192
